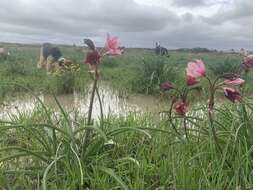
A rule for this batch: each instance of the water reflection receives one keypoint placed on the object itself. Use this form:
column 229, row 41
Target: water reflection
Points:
column 112, row 103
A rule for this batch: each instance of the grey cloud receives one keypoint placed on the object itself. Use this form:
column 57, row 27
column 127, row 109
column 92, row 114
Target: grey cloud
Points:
column 88, row 16
column 189, row 3
column 199, row 34
column 199, row 3
column 240, row 10
column 137, row 25
column 187, row 17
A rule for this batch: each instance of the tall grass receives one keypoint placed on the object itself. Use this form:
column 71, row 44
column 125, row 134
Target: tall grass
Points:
column 42, row 150
column 45, row 150
column 136, row 71
column 21, row 67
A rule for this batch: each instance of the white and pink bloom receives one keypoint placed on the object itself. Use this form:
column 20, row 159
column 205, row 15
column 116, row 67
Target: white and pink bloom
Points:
column 112, row 46
column 194, row 71
column 237, row 81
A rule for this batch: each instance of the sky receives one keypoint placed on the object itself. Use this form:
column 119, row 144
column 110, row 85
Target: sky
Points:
column 214, row 24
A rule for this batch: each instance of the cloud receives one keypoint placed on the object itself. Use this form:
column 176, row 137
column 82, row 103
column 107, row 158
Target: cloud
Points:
column 189, row 3
column 86, row 18
column 236, row 12
column 174, row 23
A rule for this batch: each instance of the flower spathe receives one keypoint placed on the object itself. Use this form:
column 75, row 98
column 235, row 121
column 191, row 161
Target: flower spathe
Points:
column 90, row 44
column 93, row 56
column 232, row 94
column 181, row 107
column 196, row 69
column 112, row 46
column 166, row 86
column 237, row 81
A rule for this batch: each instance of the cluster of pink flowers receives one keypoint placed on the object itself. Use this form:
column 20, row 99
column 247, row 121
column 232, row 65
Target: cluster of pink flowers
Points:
column 195, row 71
column 112, row 46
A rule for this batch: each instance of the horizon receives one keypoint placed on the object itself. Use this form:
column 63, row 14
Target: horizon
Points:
column 150, row 48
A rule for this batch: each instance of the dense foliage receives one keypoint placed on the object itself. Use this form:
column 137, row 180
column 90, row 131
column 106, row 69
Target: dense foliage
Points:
column 165, row 151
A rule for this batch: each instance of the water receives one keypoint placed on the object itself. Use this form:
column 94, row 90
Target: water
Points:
column 112, row 103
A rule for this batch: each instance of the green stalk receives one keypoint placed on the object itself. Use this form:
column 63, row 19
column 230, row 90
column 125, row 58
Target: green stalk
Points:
column 185, row 129
column 244, row 110
column 89, row 122
column 212, row 89
column 100, row 102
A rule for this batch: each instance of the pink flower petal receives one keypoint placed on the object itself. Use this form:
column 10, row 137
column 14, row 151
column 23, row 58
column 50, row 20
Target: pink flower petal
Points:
column 191, row 80
column 232, row 94
column 237, row 81
column 181, row 107
column 112, row 46
column 248, row 61
column 196, row 69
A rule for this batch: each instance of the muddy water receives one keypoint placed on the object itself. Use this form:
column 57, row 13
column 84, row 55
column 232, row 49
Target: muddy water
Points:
column 112, row 103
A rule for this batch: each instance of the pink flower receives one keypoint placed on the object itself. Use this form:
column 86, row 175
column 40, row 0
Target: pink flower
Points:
column 112, row 46
column 243, row 52
column 232, row 94
column 237, row 81
column 93, row 58
column 196, row 69
column 191, row 80
column 248, row 61
column 166, row 86
column 181, row 107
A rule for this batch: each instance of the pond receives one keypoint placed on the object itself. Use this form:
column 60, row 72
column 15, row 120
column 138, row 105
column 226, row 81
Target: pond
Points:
column 79, row 103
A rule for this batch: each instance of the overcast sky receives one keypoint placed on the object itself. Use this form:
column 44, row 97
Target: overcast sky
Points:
column 221, row 24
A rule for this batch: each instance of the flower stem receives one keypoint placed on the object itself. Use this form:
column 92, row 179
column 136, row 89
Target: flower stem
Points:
column 245, row 117
column 210, row 113
column 101, row 108
column 212, row 89
column 99, row 100
column 185, row 129
column 92, row 97
column 210, row 116
column 89, row 122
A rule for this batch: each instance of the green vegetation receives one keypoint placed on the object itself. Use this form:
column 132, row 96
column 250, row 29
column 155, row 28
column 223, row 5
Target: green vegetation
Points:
column 44, row 150
column 135, row 152
column 138, row 70
column 21, row 68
